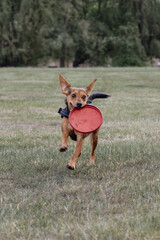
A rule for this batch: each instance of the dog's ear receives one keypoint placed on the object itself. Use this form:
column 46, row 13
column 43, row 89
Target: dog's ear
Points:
column 64, row 85
column 90, row 86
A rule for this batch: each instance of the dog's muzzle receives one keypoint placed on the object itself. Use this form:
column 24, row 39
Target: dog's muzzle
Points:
column 79, row 105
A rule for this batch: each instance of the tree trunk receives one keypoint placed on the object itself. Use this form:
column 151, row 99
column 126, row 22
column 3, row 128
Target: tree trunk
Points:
column 63, row 53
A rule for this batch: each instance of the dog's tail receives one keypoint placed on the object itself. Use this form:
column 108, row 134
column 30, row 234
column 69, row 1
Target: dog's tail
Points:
column 97, row 95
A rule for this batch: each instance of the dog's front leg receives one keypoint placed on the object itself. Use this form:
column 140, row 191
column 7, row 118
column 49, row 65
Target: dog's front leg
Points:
column 65, row 134
column 77, row 153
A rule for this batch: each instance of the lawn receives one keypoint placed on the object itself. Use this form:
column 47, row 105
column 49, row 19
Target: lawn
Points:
column 119, row 197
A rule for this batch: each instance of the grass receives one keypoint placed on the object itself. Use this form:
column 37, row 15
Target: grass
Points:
column 119, row 198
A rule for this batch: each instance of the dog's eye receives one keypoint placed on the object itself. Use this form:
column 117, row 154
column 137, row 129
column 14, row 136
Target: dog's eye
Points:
column 73, row 95
column 84, row 97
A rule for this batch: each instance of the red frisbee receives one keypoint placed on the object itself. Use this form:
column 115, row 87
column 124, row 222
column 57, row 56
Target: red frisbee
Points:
column 86, row 119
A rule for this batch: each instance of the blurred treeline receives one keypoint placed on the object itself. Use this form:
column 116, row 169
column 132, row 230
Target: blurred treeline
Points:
column 96, row 32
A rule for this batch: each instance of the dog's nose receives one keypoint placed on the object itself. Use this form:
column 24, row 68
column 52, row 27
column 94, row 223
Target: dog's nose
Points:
column 79, row 104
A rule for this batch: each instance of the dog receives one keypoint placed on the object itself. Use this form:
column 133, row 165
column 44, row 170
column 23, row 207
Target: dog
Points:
column 76, row 98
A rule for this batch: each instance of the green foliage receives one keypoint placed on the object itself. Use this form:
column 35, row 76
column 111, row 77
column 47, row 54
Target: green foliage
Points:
column 127, row 47
column 155, row 48
column 80, row 31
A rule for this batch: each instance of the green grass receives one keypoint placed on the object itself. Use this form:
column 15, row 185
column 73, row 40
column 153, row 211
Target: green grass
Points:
column 119, row 198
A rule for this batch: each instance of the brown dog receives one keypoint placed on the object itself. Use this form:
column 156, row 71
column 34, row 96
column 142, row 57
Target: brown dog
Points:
column 76, row 97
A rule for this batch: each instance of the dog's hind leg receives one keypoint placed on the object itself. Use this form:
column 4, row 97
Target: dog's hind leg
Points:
column 94, row 142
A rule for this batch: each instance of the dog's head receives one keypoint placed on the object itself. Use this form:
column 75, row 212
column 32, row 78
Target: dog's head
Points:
column 76, row 97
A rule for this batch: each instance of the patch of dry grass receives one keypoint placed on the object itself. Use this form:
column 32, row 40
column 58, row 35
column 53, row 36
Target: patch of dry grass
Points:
column 119, row 198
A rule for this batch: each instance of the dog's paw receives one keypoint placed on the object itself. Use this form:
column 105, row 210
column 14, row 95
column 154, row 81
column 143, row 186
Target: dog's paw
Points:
column 63, row 149
column 92, row 162
column 70, row 167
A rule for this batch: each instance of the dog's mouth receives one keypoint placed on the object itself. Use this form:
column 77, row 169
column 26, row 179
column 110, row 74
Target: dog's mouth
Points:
column 71, row 105
column 77, row 106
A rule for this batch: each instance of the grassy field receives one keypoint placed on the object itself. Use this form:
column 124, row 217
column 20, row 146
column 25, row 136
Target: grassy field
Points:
column 119, row 198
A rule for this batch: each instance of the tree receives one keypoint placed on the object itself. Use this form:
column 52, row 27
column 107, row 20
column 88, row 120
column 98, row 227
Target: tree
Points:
column 82, row 31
